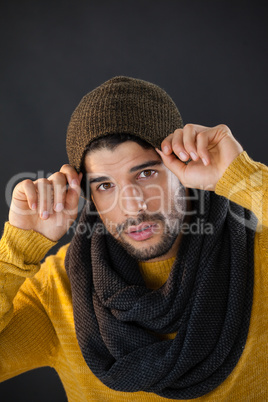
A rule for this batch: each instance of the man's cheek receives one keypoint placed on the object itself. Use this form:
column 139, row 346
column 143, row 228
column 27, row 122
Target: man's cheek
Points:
column 111, row 225
column 106, row 205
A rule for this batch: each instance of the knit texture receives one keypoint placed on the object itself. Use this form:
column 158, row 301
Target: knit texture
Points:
column 121, row 105
column 206, row 299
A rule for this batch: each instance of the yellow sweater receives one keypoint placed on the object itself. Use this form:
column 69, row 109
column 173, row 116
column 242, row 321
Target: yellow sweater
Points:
column 36, row 316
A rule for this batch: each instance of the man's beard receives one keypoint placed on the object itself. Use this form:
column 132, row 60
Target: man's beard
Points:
column 168, row 238
column 171, row 227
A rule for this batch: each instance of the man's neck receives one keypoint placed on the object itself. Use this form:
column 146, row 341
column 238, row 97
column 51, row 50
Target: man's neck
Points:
column 171, row 253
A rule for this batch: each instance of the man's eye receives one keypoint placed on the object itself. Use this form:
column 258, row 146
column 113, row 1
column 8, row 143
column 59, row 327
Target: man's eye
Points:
column 105, row 186
column 147, row 173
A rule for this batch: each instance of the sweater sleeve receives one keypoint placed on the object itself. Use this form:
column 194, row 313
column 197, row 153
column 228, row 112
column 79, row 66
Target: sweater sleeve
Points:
column 25, row 329
column 245, row 182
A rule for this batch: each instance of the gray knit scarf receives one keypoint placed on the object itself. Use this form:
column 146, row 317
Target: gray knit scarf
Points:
column 207, row 299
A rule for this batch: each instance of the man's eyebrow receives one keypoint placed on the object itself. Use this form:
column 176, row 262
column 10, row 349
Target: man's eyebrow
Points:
column 133, row 169
column 99, row 179
column 145, row 165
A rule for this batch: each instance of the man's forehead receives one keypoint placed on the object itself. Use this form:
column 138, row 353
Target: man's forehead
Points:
column 124, row 157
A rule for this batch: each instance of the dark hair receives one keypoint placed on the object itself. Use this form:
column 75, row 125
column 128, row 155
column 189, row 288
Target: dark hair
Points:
column 110, row 141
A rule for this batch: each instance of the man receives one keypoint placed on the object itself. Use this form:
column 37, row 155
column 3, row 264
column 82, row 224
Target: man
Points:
column 165, row 289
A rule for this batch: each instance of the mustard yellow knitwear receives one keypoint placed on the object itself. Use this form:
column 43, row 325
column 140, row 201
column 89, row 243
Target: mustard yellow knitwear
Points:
column 36, row 316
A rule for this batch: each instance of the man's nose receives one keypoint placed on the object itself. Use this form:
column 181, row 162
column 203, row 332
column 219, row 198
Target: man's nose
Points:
column 131, row 200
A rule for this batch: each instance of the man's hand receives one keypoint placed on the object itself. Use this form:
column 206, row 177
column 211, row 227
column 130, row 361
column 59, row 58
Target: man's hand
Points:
column 211, row 150
column 47, row 205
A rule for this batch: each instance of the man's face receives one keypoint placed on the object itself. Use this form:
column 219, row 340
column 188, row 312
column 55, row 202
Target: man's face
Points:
column 141, row 203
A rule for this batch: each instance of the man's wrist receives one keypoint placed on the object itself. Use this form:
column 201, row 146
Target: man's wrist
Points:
column 22, row 248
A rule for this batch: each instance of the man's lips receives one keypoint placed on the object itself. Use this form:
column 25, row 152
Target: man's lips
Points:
column 140, row 227
column 142, row 231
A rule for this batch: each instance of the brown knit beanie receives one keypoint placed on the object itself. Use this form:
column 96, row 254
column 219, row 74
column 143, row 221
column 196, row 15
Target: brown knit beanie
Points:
column 121, row 105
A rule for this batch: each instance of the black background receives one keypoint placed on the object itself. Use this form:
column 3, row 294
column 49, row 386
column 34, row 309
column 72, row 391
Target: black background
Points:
column 210, row 56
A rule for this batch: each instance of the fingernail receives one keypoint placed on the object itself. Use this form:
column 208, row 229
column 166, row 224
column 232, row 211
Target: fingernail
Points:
column 59, row 207
column 45, row 214
column 183, row 155
column 205, row 161
column 193, row 155
column 74, row 183
column 166, row 149
column 34, row 206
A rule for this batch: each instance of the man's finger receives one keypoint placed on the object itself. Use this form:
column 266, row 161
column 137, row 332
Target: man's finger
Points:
column 178, row 146
column 189, row 142
column 30, row 193
column 45, row 192
column 72, row 198
column 166, row 144
column 71, row 174
column 59, row 181
column 173, row 164
column 202, row 141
